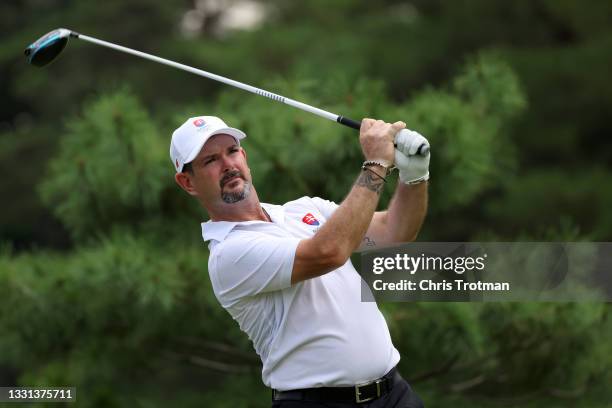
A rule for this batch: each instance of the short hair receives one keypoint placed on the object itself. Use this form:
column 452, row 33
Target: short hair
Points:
column 187, row 168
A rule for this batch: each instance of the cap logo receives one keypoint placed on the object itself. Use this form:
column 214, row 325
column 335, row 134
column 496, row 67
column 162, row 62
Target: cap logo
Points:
column 176, row 162
column 198, row 122
column 310, row 219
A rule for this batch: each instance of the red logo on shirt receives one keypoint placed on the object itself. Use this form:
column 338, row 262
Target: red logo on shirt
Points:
column 310, row 219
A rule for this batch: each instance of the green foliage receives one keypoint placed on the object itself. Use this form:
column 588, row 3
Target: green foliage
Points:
column 130, row 318
column 453, row 333
column 19, row 160
column 466, row 127
column 111, row 167
column 579, row 196
column 124, row 306
column 553, row 345
column 491, row 87
column 511, row 347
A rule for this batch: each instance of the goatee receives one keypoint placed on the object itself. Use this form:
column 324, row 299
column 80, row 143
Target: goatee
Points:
column 236, row 196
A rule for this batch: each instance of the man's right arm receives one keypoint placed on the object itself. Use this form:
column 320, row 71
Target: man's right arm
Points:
column 343, row 232
column 332, row 245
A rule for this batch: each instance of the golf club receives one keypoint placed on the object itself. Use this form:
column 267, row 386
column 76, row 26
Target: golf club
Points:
column 48, row 47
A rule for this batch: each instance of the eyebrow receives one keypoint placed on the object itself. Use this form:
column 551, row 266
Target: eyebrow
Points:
column 208, row 156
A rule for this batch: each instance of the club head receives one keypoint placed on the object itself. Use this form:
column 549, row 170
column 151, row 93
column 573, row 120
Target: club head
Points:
column 48, row 47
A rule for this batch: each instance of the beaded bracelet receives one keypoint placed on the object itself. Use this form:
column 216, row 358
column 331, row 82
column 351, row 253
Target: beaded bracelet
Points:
column 376, row 163
column 364, row 167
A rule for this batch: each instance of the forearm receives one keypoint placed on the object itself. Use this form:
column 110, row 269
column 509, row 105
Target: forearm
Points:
column 406, row 212
column 349, row 223
column 332, row 245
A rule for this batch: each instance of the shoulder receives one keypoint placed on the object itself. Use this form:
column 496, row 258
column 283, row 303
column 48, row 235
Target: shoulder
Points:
column 240, row 249
column 238, row 240
column 307, row 205
column 249, row 262
column 306, row 201
column 251, row 243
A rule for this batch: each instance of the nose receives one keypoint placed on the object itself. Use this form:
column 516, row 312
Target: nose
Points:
column 226, row 163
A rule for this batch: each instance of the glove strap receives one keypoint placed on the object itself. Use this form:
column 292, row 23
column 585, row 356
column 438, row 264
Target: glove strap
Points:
column 419, row 180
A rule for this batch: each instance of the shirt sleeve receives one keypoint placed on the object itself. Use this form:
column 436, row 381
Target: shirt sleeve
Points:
column 251, row 263
column 325, row 207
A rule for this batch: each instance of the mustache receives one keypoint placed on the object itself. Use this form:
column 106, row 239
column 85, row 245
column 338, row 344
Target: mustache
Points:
column 228, row 176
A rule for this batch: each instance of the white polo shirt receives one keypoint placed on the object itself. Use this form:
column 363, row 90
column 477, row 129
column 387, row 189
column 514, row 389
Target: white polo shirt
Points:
column 315, row 333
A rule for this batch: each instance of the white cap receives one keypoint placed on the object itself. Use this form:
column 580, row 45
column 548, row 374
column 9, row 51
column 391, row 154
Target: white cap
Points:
column 188, row 140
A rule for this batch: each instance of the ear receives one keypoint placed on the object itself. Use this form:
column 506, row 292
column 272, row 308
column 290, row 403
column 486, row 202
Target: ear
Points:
column 184, row 180
column 243, row 152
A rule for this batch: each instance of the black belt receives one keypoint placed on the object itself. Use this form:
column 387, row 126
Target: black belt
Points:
column 359, row 393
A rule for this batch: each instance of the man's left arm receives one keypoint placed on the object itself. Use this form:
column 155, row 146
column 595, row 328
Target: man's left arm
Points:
column 404, row 217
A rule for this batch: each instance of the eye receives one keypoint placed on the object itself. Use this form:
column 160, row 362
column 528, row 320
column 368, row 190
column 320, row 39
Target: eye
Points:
column 233, row 149
column 209, row 160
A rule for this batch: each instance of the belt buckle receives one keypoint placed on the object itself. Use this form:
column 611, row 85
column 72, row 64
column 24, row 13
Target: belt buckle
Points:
column 358, row 392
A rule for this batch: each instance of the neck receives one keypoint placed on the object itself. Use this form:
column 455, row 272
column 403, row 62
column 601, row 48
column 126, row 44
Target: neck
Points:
column 249, row 209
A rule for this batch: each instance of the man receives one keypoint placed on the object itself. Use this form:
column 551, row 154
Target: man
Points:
column 284, row 274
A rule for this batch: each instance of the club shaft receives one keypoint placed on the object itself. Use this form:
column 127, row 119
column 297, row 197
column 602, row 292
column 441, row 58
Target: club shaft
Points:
column 423, row 149
column 219, row 78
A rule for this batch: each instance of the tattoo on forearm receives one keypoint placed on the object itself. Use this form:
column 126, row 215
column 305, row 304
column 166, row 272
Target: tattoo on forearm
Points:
column 370, row 181
column 369, row 242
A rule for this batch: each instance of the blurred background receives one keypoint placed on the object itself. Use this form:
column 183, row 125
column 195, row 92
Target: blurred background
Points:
column 103, row 273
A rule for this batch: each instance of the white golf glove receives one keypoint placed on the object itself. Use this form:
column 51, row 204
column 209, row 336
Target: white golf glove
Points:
column 412, row 168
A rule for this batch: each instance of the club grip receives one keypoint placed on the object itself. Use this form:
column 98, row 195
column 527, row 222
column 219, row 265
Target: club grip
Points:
column 349, row 122
column 421, row 151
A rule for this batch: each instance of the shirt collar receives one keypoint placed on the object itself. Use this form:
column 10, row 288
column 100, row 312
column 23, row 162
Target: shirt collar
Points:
column 276, row 212
column 218, row 230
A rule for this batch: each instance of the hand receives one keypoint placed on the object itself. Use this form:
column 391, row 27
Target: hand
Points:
column 412, row 168
column 408, row 142
column 377, row 138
